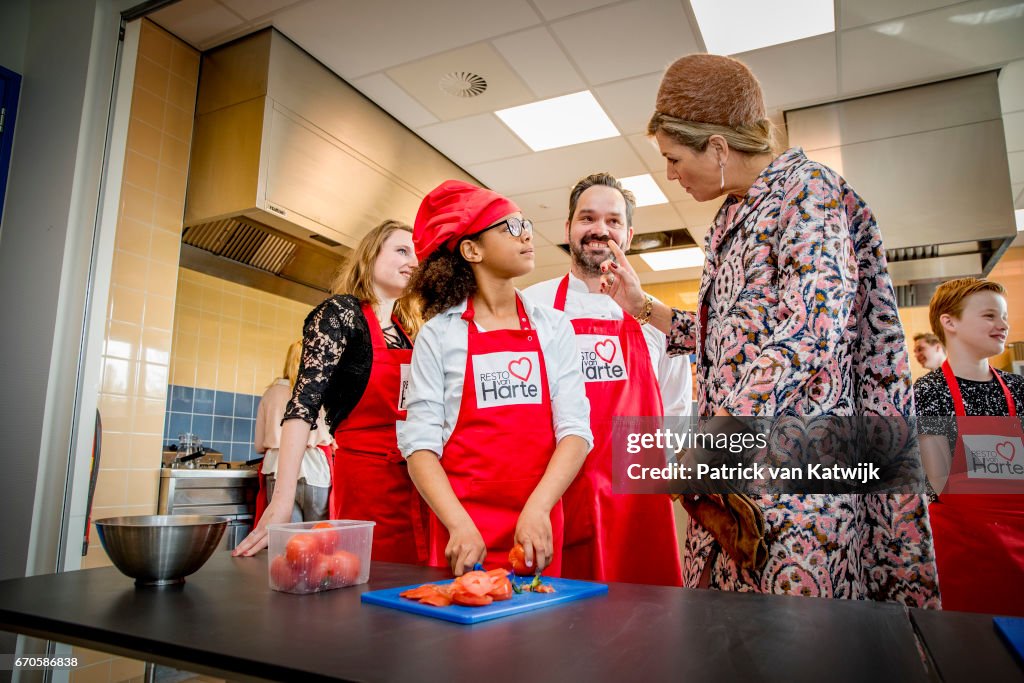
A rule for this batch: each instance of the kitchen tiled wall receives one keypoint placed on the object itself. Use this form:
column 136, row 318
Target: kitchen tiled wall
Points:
column 140, row 315
column 226, row 418
column 229, row 345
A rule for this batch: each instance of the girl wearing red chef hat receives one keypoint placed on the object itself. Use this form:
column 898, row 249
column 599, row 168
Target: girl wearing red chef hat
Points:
column 497, row 423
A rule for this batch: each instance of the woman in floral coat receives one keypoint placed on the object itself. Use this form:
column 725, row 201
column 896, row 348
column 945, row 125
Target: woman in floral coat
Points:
column 797, row 317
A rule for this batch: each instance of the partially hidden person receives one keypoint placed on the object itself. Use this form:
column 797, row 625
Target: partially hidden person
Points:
column 929, row 351
column 796, row 317
column 608, row 536
column 972, row 447
column 312, row 490
column 356, row 351
column 498, row 424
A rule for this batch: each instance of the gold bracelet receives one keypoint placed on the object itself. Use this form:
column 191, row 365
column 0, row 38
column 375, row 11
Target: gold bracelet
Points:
column 645, row 312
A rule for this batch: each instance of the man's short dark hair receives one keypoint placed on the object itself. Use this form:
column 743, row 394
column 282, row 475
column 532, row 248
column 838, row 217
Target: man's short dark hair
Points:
column 608, row 180
column 928, row 338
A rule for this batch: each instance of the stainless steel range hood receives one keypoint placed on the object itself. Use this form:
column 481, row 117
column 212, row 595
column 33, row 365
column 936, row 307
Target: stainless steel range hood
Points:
column 291, row 166
column 931, row 163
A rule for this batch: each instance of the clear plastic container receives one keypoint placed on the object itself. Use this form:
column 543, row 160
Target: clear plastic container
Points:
column 303, row 559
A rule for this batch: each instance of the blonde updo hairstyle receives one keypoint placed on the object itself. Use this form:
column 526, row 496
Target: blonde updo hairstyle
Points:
column 704, row 95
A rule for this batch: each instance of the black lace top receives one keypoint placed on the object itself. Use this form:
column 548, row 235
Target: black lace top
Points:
column 336, row 359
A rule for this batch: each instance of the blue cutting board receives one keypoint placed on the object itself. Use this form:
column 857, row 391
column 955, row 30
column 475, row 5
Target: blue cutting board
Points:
column 566, row 590
column 1012, row 631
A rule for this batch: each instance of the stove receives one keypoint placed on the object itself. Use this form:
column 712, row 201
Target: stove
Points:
column 228, row 492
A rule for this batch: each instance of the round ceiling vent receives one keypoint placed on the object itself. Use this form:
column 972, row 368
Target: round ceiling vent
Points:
column 463, row 84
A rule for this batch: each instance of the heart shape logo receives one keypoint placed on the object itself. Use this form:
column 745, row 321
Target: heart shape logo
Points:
column 605, row 350
column 1006, row 450
column 521, row 368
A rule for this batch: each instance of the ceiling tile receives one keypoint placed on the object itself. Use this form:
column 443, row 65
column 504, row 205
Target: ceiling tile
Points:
column 813, row 58
column 474, row 139
column 540, row 62
column 254, row 9
column 553, row 231
column 1016, row 161
column 549, row 255
column 630, row 103
column 932, row 45
column 853, row 13
column 386, row 93
column 1011, row 86
column 656, row 218
column 1013, row 128
column 548, row 205
column 648, row 151
column 631, row 39
column 196, row 21
column 540, row 274
column 421, row 79
column 556, row 9
column 675, row 275
column 698, row 215
column 358, row 38
column 560, row 167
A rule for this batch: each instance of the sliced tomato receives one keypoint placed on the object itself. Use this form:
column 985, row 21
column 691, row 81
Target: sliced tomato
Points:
column 543, row 588
column 419, row 592
column 437, row 599
column 475, row 583
column 471, row 600
column 500, row 573
column 501, row 588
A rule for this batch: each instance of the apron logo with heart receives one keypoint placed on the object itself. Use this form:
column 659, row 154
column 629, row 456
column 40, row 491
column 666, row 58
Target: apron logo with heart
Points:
column 993, row 456
column 521, row 369
column 601, row 358
column 504, row 378
column 1006, row 451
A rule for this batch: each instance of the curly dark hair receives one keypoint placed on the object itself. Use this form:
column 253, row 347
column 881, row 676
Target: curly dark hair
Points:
column 443, row 280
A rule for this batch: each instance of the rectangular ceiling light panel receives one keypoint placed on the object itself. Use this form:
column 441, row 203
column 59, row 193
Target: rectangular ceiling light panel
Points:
column 559, row 121
column 733, row 26
column 670, row 259
column 645, row 189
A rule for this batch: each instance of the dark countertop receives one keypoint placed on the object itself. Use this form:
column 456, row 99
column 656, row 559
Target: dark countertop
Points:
column 225, row 621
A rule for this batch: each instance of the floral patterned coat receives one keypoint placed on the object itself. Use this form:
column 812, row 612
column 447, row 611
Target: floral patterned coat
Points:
column 798, row 317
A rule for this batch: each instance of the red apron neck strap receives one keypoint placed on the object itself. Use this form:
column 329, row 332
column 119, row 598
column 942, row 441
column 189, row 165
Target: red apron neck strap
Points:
column 470, row 314
column 561, row 293
column 958, row 399
column 376, row 334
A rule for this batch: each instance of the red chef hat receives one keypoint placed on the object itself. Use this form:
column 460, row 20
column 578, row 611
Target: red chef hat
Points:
column 454, row 210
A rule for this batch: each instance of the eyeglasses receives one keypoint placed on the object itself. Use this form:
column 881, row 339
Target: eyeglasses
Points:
column 515, row 226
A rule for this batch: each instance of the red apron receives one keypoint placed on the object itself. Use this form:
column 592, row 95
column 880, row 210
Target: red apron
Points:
column 503, row 440
column 978, row 531
column 610, row 537
column 370, row 479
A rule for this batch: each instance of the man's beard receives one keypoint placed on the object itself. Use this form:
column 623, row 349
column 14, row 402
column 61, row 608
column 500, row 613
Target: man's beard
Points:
column 588, row 264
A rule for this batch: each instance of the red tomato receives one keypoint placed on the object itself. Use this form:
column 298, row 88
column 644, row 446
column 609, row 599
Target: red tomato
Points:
column 476, row 583
column 517, row 558
column 334, row 570
column 470, row 600
column 283, row 576
column 301, row 551
column 329, row 540
column 501, row 588
column 437, row 599
column 544, row 588
column 419, row 592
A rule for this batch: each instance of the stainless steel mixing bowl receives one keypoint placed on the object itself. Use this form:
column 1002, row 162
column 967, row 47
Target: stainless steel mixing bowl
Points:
column 160, row 550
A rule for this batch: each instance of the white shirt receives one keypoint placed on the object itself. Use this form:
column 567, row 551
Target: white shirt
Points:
column 439, row 370
column 672, row 372
column 314, row 467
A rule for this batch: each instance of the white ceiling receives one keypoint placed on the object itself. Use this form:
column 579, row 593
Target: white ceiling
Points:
column 395, row 51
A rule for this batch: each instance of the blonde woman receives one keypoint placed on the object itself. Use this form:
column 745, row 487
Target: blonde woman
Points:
column 356, row 350
column 314, row 483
